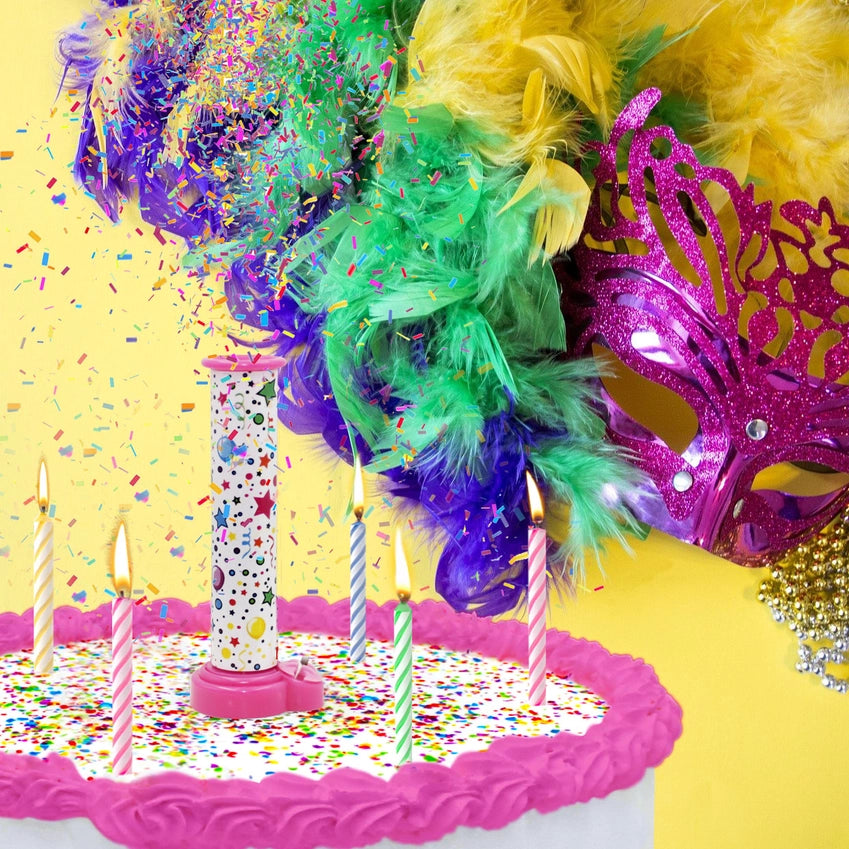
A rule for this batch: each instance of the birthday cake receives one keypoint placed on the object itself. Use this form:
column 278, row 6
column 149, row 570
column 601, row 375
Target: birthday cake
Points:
column 484, row 762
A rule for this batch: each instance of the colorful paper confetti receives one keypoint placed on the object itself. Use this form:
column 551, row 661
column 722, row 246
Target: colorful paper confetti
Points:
column 462, row 702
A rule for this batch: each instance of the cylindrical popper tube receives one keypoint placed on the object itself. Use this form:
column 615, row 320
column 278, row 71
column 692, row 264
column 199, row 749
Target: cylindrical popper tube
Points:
column 243, row 634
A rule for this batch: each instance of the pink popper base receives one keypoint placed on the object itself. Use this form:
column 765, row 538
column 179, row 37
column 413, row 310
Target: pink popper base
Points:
column 255, row 695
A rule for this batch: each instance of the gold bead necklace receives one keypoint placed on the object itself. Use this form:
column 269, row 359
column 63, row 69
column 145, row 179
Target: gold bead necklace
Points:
column 809, row 590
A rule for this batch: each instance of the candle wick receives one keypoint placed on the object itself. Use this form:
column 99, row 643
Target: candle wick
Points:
column 403, row 597
column 358, row 512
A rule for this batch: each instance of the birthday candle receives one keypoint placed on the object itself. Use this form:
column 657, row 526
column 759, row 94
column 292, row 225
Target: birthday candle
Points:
column 403, row 659
column 42, row 614
column 358, row 570
column 122, row 657
column 536, row 597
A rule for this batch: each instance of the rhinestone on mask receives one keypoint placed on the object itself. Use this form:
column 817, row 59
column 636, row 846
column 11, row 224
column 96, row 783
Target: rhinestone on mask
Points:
column 757, row 429
column 682, row 481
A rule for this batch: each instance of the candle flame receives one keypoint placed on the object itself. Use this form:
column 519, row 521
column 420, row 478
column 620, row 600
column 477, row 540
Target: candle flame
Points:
column 43, row 487
column 121, row 576
column 402, row 571
column 534, row 499
column 359, row 490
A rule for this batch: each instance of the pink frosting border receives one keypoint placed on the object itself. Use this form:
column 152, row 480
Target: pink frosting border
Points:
column 348, row 807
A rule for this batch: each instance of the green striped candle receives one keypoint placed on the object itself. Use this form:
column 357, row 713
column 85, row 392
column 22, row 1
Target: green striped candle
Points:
column 403, row 659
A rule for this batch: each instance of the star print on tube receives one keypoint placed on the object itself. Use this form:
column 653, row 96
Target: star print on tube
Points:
column 264, row 504
column 268, row 391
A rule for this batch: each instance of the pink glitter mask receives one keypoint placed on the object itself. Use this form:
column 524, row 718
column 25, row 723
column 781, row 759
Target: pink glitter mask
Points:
column 684, row 278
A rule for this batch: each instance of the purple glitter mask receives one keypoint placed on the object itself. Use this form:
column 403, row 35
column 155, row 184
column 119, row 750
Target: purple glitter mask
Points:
column 691, row 285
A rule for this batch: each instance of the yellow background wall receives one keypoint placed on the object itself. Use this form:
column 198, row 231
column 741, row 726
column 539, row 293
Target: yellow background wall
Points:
column 97, row 364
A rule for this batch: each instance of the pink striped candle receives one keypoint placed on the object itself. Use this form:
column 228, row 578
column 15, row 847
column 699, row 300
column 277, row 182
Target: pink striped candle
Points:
column 537, row 597
column 122, row 658
column 42, row 607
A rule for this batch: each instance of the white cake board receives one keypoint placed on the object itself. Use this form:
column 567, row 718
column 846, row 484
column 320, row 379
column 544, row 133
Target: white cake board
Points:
column 622, row 820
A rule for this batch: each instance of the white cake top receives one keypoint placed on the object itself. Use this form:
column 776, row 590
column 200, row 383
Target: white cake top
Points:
column 461, row 702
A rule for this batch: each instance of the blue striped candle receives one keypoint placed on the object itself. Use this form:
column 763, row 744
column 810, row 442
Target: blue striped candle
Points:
column 358, row 572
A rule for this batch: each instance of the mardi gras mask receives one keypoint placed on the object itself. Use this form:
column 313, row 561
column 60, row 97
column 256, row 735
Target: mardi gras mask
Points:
column 741, row 313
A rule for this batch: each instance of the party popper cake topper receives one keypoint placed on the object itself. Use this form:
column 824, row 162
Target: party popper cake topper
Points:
column 243, row 677
column 243, row 404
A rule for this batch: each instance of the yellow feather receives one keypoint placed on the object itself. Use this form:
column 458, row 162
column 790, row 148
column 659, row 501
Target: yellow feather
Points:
column 530, row 182
column 559, row 222
column 482, row 59
column 775, row 80
column 567, row 62
column 539, row 118
column 534, row 99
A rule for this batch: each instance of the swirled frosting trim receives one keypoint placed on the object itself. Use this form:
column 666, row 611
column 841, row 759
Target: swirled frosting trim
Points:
column 349, row 807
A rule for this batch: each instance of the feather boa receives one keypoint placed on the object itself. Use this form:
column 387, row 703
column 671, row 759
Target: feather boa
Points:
column 384, row 184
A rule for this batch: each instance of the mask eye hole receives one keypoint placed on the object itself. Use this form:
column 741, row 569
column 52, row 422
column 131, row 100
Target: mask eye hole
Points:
column 656, row 408
column 801, row 479
column 798, row 491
